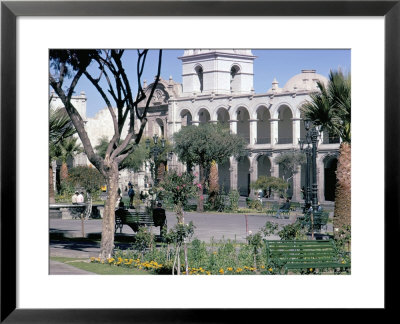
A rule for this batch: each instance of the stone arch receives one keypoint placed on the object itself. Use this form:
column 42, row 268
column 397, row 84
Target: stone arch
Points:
column 284, row 115
column 234, row 110
column 221, row 115
column 263, row 117
column 186, row 117
column 264, row 165
column 202, row 114
column 159, row 127
column 277, row 108
column 330, row 180
column 243, row 123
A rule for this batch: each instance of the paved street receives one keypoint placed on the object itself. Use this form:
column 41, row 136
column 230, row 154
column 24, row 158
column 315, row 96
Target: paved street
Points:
column 208, row 225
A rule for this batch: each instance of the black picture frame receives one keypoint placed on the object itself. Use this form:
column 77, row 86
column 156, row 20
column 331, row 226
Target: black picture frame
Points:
column 10, row 10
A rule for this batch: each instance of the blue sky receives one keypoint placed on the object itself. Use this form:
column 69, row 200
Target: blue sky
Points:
column 269, row 64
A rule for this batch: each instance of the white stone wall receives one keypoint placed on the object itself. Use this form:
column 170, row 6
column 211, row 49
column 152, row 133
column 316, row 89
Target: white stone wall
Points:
column 216, row 66
column 79, row 102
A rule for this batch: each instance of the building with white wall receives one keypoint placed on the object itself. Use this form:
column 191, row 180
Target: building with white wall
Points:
column 217, row 87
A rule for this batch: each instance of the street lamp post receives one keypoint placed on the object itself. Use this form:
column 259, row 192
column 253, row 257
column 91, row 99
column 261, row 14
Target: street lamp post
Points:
column 307, row 192
column 155, row 151
column 311, row 198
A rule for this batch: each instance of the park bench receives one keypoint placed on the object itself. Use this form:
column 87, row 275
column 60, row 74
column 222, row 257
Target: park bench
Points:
column 320, row 220
column 272, row 209
column 305, row 255
column 132, row 218
column 294, row 206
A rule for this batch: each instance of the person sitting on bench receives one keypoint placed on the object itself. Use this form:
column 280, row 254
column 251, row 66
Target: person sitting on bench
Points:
column 159, row 217
column 284, row 208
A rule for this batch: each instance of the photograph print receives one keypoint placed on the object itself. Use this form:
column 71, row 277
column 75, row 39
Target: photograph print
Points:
column 200, row 161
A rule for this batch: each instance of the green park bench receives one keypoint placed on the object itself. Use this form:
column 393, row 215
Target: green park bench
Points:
column 272, row 209
column 134, row 219
column 294, row 206
column 305, row 255
column 320, row 220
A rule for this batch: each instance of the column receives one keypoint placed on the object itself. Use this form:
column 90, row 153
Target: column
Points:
column 233, row 173
column 296, row 130
column 233, row 126
column 297, row 185
column 275, row 173
column 253, row 173
column 253, row 131
column 195, row 122
column 320, row 179
column 274, row 131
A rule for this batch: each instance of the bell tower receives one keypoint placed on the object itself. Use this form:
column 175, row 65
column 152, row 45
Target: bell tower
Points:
column 223, row 72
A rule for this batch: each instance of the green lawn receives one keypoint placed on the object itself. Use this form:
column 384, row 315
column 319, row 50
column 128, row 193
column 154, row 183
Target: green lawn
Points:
column 97, row 268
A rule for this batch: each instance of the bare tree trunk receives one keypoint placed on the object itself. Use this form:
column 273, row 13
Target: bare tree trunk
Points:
column 51, row 186
column 107, row 238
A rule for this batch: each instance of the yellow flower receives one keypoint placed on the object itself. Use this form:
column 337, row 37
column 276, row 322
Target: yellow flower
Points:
column 239, row 270
column 221, row 271
column 270, row 269
column 262, row 267
column 343, row 262
column 229, row 269
column 311, row 269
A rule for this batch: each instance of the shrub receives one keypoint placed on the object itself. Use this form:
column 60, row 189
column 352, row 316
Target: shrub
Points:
column 254, row 204
column 292, row 232
column 83, row 177
column 144, row 240
column 233, row 200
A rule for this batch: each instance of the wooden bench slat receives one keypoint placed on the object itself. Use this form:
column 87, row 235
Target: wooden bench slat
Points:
column 292, row 254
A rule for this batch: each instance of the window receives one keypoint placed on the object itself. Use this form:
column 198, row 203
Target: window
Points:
column 199, row 72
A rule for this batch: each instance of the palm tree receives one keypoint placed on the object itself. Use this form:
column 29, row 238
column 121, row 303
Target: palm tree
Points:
column 330, row 108
column 60, row 128
column 69, row 148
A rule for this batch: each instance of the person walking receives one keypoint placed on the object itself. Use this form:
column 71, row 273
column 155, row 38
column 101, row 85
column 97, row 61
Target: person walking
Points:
column 131, row 194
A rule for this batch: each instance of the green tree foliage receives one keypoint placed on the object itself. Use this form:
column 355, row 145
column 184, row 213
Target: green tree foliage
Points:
column 60, row 128
column 289, row 162
column 141, row 154
column 264, row 183
column 330, row 108
column 84, row 177
column 200, row 145
column 178, row 188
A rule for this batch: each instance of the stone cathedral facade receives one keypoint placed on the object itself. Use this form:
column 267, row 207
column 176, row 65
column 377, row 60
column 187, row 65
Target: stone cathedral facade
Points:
column 217, row 87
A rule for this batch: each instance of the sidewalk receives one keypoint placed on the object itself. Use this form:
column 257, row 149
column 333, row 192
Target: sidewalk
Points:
column 58, row 268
